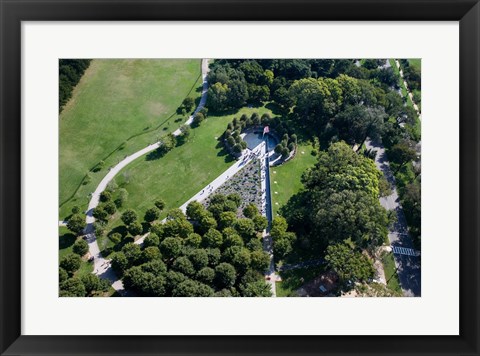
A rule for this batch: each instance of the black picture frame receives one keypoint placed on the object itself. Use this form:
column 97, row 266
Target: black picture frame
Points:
column 13, row 12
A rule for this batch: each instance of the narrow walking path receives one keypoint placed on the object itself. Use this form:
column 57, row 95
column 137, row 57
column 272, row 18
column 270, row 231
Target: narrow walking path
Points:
column 409, row 93
column 267, row 211
column 101, row 265
column 407, row 266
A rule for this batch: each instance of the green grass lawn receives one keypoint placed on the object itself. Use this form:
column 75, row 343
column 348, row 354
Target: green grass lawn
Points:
column 115, row 100
column 416, row 62
column 180, row 174
column 390, row 273
column 288, row 175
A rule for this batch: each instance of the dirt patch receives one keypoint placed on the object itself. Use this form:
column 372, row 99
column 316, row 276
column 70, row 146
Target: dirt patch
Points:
column 322, row 286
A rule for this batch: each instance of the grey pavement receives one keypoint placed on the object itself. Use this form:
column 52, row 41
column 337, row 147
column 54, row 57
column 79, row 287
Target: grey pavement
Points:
column 408, row 267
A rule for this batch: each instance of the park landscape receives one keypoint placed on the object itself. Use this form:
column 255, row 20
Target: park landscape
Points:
column 240, row 178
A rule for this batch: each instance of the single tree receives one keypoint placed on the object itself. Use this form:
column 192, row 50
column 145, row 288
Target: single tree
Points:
column 152, row 214
column 80, row 247
column 76, row 223
column 70, row 263
column 225, row 275
column 188, row 103
column 129, row 216
column 135, row 228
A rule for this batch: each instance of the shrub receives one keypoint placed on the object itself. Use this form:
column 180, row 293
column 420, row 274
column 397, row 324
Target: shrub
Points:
column 160, row 204
column 115, row 238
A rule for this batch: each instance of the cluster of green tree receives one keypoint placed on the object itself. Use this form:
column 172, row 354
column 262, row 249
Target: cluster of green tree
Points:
column 112, row 199
column 326, row 102
column 216, row 254
column 199, row 117
column 411, row 74
column 235, row 144
column 282, row 239
column 286, row 145
column 331, row 101
column 339, row 205
column 231, row 136
column 406, row 167
column 70, row 285
column 232, row 86
column 70, row 72
column 352, row 109
column 350, row 265
column 234, row 82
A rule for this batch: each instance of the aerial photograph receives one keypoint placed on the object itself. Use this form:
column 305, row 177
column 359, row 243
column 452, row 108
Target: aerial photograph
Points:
column 206, row 177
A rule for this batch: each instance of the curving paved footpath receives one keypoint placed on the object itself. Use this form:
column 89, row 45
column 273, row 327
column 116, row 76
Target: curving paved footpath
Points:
column 101, row 265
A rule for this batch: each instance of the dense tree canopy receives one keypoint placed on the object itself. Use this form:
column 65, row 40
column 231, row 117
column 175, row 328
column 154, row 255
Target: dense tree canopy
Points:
column 340, row 201
column 192, row 258
column 350, row 265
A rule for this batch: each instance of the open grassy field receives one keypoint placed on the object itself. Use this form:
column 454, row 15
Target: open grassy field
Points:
column 285, row 179
column 181, row 173
column 115, row 100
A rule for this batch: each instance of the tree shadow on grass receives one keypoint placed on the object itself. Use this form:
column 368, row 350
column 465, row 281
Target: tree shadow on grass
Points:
column 223, row 152
column 213, row 112
column 255, row 104
column 122, row 230
column 294, row 279
column 154, row 155
column 145, row 227
column 197, row 100
column 275, row 108
column 66, row 240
